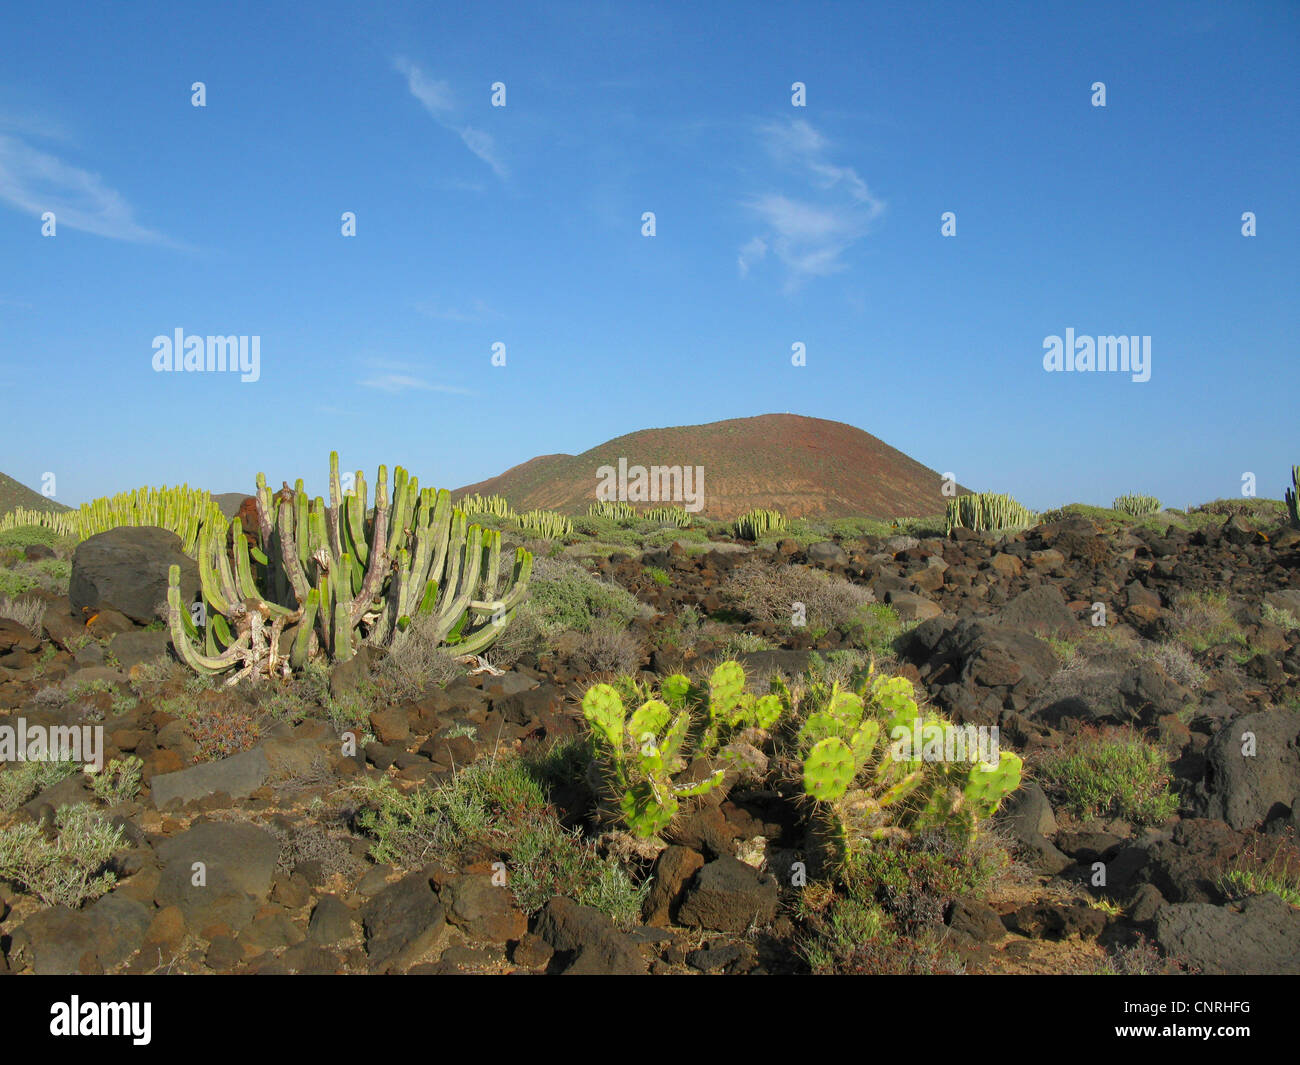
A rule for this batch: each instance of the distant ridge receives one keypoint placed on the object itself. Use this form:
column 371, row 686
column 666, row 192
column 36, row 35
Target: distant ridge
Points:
column 804, row 467
column 14, row 494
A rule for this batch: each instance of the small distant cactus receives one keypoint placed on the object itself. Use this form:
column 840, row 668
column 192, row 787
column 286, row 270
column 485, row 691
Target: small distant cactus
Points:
column 545, row 524
column 678, row 516
column 613, row 509
column 756, row 523
column 1293, row 497
column 986, row 511
column 1137, row 506
column 494, row 506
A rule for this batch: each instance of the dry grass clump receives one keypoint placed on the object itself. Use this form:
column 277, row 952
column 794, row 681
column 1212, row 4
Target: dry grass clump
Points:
column 769, row 592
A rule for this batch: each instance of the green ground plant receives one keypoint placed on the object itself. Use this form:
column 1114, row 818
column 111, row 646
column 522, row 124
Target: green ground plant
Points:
column 1111, row 773
column 67, row 869
column 119, row 781
column 497, row 804
column 21, row 782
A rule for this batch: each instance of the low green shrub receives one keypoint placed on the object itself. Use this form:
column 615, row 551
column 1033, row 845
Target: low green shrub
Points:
column 68, row 869
column 1114, row 773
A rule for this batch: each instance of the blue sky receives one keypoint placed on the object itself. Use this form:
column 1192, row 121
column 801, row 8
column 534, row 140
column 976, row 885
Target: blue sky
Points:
column 775, row 225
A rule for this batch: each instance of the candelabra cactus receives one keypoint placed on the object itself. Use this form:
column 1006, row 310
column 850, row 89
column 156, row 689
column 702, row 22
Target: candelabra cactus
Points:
column 496, row 506
column 1136, row 505
column 678, row 516
column 984, row 511
column 181, row 510
column 1293, row 497
column 614, row 509
column 546, row 524
column 756, row 523
column 343, row 575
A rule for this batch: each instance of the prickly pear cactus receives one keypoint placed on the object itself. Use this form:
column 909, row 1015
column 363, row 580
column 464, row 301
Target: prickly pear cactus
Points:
column 987, row 786
column 869, row 788
column 726, row 688
column 828, row 769
column 675, row 691
column 643, row 751
column 603, row 708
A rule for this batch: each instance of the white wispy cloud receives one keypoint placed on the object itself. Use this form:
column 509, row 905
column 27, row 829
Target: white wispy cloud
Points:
column 476, row 313
column 397, row 382
column 35, row 181
column 436, row 97
column 808, row 232
column 398, row 377
column 752, row 252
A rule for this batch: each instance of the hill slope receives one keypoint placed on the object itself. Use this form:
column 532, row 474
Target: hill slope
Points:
column 801, row 466
column 13, row 495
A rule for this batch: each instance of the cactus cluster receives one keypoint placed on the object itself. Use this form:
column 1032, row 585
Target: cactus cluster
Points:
column 678, row 516
column 62, row 522
column 1137, row 506
column 644, row 752
column 1293, row 497
column 867, row 787
column 493, row 506
column 545, row 524
column 731, row 712
column 182, row 510
column 985, row 511
column 337, row 575
column 614, row 509
column 756, row 523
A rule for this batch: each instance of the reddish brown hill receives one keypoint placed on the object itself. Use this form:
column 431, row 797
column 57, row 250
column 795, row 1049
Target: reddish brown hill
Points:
column 801, row 466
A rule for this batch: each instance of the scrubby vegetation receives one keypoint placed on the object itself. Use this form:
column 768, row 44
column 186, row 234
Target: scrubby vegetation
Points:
column 1111, row 773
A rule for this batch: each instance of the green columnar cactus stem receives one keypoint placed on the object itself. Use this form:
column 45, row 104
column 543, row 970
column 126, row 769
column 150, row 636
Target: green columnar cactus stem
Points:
column 1293, row 497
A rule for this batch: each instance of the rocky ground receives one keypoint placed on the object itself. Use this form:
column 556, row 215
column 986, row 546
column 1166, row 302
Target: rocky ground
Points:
column 1181, row 643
